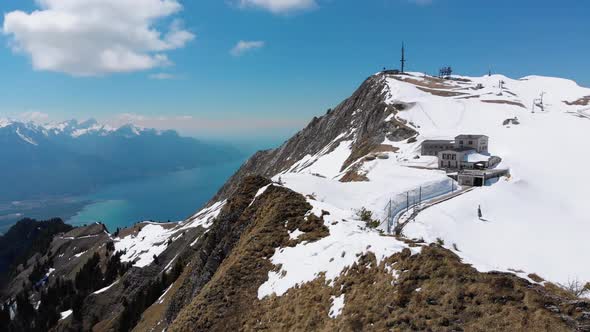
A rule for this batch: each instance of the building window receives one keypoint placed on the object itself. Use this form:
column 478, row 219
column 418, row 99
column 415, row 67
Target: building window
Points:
column 454, row 157
column 470, row 142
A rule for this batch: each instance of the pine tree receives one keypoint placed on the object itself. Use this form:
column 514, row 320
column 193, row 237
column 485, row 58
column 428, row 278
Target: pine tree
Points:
column 77, row 303
column 4, row 316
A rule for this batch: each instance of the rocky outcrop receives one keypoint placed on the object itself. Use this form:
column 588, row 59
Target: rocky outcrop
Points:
column 20, row 243
column 233, row 262
column 360, row 119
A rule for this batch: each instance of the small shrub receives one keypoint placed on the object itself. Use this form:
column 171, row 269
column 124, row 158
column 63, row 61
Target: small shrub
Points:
column 367, row 216
column 364, row 215
column 440, row 241
column 373, row 224
column 576, row 287
column 455, row 247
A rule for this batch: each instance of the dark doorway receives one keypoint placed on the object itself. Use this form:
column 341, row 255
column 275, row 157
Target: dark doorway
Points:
column 478, row 182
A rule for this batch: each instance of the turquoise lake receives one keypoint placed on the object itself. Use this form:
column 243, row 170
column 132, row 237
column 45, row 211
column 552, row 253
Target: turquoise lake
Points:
column 169, row 197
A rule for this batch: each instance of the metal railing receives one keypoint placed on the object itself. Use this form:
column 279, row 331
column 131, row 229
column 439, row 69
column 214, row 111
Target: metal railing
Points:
column 402, row 203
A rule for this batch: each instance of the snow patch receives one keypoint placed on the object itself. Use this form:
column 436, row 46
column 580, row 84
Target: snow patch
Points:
column 25, row 138
column 295, row 234
column 259, row 193
column 102, row 290
column 140, row 248
column 78, row 255
column 337, row 306
column 204, row 218
column 348, row 240
column 163, row 296
column 66, row 314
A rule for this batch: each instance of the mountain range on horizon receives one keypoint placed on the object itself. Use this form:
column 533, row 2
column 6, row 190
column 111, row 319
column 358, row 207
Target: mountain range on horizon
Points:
column 42, row 161
column 350, row 226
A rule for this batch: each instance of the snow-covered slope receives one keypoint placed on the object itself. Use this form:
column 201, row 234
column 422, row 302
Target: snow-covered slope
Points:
column 537, row 221
column 534, row 221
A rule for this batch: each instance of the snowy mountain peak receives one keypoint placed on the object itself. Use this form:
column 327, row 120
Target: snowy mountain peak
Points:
column 5, row 123
column 366, row 153
column 72, row 128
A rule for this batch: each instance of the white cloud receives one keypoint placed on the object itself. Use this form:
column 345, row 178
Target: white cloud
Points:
column 244, row 46
column 34, row 116
column 279, row 6
column 96, row 37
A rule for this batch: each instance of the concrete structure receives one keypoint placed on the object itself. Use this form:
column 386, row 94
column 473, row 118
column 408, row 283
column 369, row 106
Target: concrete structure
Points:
column 454, row 158
column 479, row 178
column 478, row 143
column 433, row 147
column 465, row 152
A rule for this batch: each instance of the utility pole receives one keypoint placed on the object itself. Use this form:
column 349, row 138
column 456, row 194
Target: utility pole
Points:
column 390, row 223
column 420, row 199
column 403, row 60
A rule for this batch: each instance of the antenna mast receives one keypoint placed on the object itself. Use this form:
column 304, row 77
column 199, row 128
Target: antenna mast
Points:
column 403, row 60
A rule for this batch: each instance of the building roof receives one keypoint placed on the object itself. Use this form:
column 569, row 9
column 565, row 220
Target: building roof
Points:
column 475, row 157
column 438, row 141
column 470, row 136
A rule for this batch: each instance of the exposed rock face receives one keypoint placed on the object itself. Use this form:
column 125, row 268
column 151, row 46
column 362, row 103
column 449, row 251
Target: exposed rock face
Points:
column 232, row 261
column 21, row 242
column 103, row 311
column 78, row 243
column 216, row 245
column 360, row 119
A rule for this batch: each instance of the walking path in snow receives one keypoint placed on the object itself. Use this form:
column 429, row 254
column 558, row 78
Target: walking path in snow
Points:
column 585, row 112
column 410, row 214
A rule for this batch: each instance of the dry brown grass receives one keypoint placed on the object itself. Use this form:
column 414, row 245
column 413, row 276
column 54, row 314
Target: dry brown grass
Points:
column 430, row 291
column 535, row 277
column 428, row 82
column 353, row 175
column 155, row 316
column 469, row 97
column 230, row 297
column 364, row 148
column 508, row 102
column 584, row 101
column 452, row 297
column 433, row 292
column 385, row 148
column 442, row 93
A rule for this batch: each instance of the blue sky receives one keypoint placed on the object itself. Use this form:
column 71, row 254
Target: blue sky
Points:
column 297, row 58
